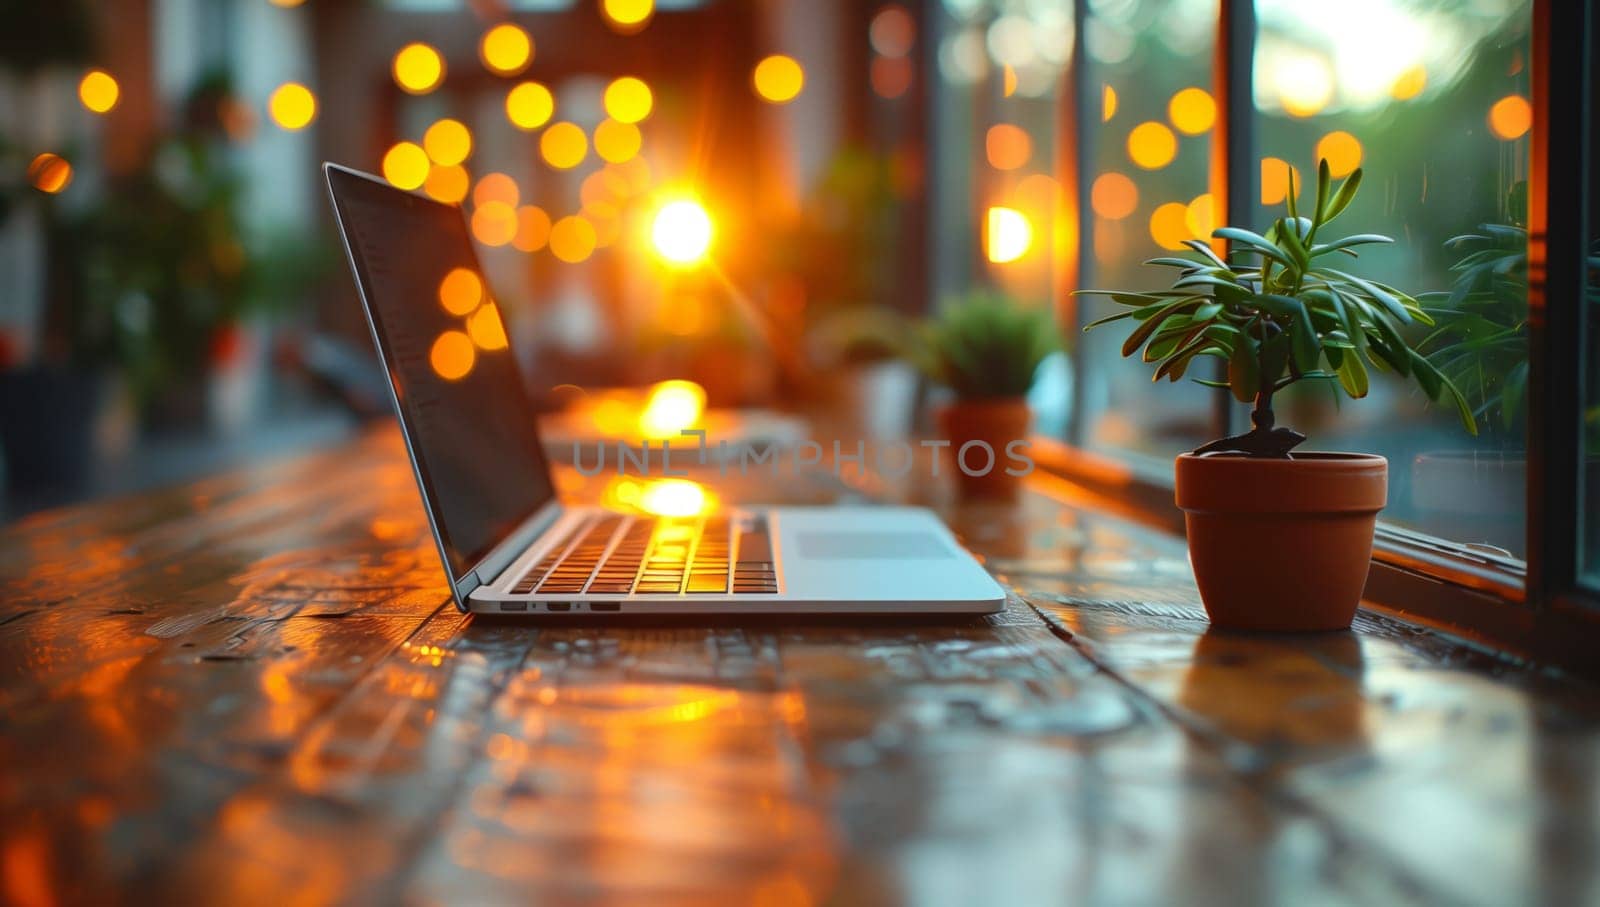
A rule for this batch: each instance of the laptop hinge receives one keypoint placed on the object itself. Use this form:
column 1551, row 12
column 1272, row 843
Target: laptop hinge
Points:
column 501, row 555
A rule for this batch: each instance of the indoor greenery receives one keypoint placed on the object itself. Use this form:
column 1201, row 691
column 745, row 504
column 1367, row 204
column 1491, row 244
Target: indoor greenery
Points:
column 985, row 346
column 1278, row 312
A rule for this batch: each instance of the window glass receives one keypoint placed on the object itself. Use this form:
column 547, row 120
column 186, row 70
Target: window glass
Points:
column 1149, row 119
column 1430, row 98
column 1589, row 530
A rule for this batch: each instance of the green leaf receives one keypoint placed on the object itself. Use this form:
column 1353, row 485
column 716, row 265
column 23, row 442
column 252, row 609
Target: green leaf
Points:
column 1244, row 374
column 1143, row 331
column 1353, row 376
column 1343, row 197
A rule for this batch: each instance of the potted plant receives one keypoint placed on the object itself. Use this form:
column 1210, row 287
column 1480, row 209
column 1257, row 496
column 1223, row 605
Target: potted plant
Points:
column 1480, row 344
column 861, row 350
column 1280, row 540
column 985, row 349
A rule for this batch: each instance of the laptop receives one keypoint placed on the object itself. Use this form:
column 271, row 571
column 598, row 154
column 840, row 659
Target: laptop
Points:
column 510, row 547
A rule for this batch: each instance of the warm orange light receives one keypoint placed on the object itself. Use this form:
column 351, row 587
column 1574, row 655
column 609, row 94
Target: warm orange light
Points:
column 447, row 184
column 486, row 329
column 529, row 106
column 1169, row 225
column 1108, row 103
column 418, row 68
column 635, row 172
column 533, row 229
column 1007, row 147
column 1152, row 145
column 1008, row 80
column 616, row 142
column 292, row 106
column 1009, row 235
column 494, row 223
column 452, row 355
column 98, row 91
column 447, row 142
column 1113, row 196
column 674, row 497
column 627, row 16
column 1410, row 83
column 564, row 146
column 892, row 31
column 1192, row 111
column 406, row 165
column 505, row 49
column 572, row 239
column 1511, row 117
column 49, row 173
column 779, row 79
column 1342, row 152
column 1200, row 217
column 671, row 407
column 460, row 291
column 681, row 232
column 628, row 100
column 604, row 186
column 496, row 187
column 890, row 76
column 1275, row 173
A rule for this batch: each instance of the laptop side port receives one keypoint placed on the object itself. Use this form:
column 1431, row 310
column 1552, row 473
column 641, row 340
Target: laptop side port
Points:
column 605, row 606
column 513, row 606
column 558, row 606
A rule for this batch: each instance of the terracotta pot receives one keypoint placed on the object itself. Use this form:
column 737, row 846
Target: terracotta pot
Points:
column 995, row 423
column 1281, row 545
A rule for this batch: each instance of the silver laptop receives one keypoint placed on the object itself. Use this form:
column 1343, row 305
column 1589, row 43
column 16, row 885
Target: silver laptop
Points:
column 511, row 548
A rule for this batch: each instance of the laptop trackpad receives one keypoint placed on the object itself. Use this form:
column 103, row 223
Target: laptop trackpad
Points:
column 857, row 546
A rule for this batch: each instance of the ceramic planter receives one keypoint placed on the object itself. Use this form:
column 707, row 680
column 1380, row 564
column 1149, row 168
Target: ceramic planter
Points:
column 1281, row 545
column 994, row 422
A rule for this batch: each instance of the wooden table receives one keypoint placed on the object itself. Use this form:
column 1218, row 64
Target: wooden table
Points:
column 254, row 690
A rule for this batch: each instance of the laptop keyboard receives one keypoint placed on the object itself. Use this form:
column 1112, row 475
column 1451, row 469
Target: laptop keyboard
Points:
column 614, row 554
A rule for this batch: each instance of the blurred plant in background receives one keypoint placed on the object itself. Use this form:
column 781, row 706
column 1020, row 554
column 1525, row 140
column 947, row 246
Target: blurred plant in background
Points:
column 986, row 345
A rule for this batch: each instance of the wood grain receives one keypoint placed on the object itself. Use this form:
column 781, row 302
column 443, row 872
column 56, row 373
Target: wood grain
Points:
column 254, row 690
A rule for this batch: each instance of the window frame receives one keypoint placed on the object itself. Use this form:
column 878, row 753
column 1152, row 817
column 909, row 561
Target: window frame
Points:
column 1538, row 610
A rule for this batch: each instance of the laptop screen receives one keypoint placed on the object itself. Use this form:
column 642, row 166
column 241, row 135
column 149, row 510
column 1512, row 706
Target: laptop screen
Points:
column 467, row 417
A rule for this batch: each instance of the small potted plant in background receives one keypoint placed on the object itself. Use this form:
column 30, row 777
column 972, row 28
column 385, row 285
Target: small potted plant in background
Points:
column 985, row 349
column 1480, row 344
column 862, row 349
column 1280, row 540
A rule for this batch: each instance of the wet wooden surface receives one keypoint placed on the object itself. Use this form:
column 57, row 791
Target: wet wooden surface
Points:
column 254, row 690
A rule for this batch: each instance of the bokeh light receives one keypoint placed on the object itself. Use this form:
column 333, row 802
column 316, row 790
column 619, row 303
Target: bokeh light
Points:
column 1275, row 175
column 447, row 183
column 452, row 355
column 418, row 68
column 1511, row 117
column 486, row 329
column 572, row 239
column 681, row 232
column 1342, row 152
column 892, row 31
column 529, row 105
column 1007, row 146
column 671, row 407
column 50, row 173
column 564, row 146
column 98, row 91
column 1113, row 196
column 447, row 142
column 1008, row 80
column 628, row 100
column 505, row 49
column 1008, row 234
column 675, row 497
column 1152, row 145
column 292, row 106
column 1200, row 216
column 1410, row 83
column 494, row 223
column 533, row 229
column 1304, row 85
column 460, row 291
column 616, row 142
column 496, row 187
column 406, row 165
column 1108, row 103
column 627, row 16
column 1169, row 225
column 1192, row 111
column 890, row 77
column 779, row 79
